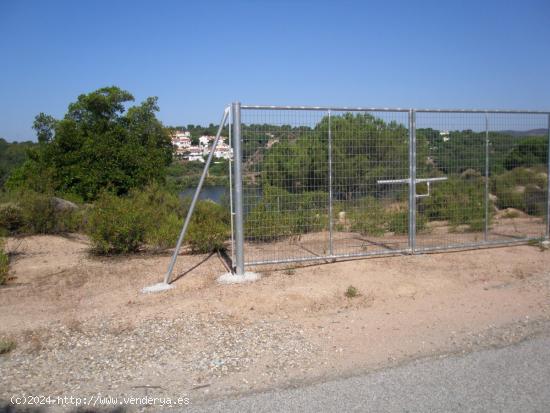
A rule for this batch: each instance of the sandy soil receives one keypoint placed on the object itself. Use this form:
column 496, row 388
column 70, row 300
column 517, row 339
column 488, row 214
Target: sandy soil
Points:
column 408, row 306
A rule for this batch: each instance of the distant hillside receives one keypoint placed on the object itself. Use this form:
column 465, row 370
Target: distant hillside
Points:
column 12, row 155
column 532, row 132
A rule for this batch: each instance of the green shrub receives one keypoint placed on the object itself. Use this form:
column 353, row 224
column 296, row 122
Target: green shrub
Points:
column 11, row 217
column 165, row 233
column 511, row 198
column 39, row 214
column 367, row 217
column 351, row 292
column 535, row 200
column 521, row 188
column 398, row 222
column 280, row 214
column 458, row 201
column 162, row 213
column 264, row 224
column 116, row 225
column 153, row 217
column 6, row 345
column 209, row 228
column 30, row 212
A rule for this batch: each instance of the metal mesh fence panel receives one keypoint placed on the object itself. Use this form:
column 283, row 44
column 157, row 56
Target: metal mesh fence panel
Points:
column 518, row 185
column 370, row 160
column 451, row 212
column 321, row 183
column 285, row 185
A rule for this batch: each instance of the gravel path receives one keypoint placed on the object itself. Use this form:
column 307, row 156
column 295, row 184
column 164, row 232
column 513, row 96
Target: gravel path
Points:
column 510, row 379
column 169, row 356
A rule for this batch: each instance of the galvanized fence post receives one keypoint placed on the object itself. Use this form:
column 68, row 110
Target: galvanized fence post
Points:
column 486, row 190
column 412, row 180
column 330, row 217
column 238, row 184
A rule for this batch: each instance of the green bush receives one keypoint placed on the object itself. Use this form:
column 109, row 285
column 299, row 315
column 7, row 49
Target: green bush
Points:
column 162, row 213
column 153, row 217
column 264, row 224
column 521, row 188
column 511, row 198
column 209, row 228
column 535, row 200
column 116, row 225
column 280, row 214
column 398, row 222
column 367, row 217
column 351, row 292
column 6, row 345
column 30, row 212
column 165, row 233
column 458, row 201
column 11, row 217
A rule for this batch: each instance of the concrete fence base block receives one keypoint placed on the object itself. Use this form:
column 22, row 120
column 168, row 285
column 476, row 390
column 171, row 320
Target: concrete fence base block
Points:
column 155, row 288
column 229, row 278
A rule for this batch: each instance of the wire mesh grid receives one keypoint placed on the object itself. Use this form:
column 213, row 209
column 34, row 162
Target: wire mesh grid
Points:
column 518, row 185
column 452, row 146
column 285, row 185
column 369, row 149
column 322, row 183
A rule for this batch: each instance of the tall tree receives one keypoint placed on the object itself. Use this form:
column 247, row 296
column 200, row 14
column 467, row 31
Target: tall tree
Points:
column 99, row 144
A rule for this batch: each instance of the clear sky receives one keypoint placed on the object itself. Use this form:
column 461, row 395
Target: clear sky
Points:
column 198, row 56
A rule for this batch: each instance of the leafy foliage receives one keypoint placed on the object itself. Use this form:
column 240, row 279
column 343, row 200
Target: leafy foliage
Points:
column 209, row 228
column 459, row 201
column 29, row 212
column 281, row 213
column 367, row 217
column 97, row 145
column 152, row 218
column 530, row 151
column 522, row 188
column 12, row 155
column 116, row 225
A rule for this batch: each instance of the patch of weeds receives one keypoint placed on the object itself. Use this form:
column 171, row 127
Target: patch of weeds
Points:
column 6, row 346
column 289, row 271
column 4, row 264
column 351, row 292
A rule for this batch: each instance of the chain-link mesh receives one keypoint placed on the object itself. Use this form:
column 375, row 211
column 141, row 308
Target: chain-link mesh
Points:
column 326, row 183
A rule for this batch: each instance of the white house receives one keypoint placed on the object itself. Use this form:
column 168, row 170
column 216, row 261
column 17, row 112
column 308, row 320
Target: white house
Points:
column 445, row 135
column 181, row 139
column 195, row 153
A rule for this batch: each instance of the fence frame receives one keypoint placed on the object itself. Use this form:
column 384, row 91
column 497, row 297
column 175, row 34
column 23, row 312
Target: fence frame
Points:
column 237, row 187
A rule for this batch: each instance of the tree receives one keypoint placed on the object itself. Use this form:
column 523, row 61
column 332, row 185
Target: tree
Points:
column 97, row 145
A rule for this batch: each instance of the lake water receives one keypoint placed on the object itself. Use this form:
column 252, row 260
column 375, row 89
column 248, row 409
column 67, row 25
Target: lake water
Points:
column 214, row 193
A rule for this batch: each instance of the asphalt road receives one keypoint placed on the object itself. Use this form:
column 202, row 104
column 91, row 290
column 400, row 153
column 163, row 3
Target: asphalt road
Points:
column 510, row 379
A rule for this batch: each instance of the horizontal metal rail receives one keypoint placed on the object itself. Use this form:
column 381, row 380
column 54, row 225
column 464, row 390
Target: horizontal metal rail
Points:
column 408, row 180
column 479, row 244
column 406, row 251
column 374, row 109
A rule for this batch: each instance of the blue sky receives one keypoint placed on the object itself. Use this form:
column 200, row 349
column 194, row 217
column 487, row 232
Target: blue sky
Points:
column 197, row 56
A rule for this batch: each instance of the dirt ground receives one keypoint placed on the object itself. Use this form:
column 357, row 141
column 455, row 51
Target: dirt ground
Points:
column 82, row 322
